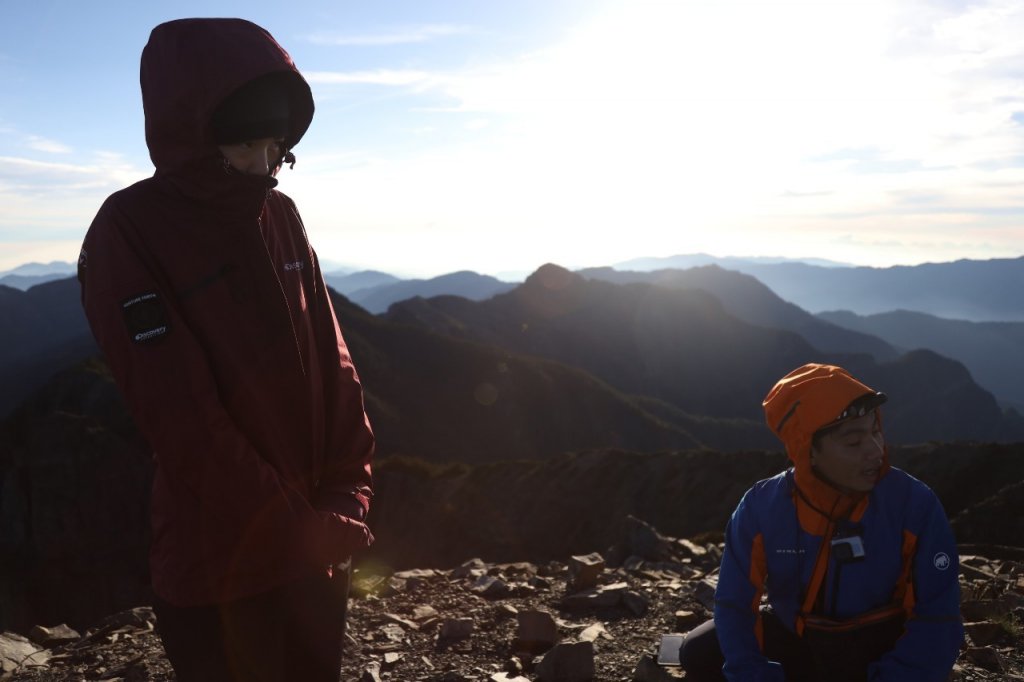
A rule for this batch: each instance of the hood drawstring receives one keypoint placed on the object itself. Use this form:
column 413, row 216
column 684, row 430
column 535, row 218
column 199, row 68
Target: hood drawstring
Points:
column 289, row 159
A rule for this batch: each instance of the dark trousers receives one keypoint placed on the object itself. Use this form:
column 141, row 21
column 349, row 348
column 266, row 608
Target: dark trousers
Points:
column 293, row 632
column 816, row 657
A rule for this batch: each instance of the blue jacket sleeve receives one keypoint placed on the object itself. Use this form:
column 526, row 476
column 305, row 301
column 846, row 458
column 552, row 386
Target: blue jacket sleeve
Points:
column 741, row 581
column 933, row 633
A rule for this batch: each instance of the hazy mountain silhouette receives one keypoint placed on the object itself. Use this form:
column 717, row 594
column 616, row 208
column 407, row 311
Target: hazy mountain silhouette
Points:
column 992, row 351
column 532, row 371
column 466, row 284
column 53, row 267
column 746, row 298
column 346, row 283
column 25, row 282
column 678, row 346
column 976, row 290
column 683, row 348
column 693, row 260
column 30, row 274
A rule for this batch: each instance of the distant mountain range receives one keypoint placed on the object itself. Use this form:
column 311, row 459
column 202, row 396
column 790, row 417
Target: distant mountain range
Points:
column 975, row 290
column 972, row 290
column 28, row 275
column 44, row 334
column 347, row 283
column 376, row 291
column 993, row 351
column 682, row 347
column 746, row 298
column 696, row 260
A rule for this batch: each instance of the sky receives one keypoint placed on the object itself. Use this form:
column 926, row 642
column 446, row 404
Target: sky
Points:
column 498, row 136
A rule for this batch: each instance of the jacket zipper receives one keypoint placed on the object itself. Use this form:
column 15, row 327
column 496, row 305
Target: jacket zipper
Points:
column 284, row 296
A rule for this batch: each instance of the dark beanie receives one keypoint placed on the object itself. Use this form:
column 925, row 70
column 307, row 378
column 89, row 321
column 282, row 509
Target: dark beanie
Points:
column 256, row 110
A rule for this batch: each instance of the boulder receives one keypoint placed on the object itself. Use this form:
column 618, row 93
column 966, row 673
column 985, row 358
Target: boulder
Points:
column 584, row 570
column 536, row 632
column 17, row 651
column 51, row 637
column 571, row 662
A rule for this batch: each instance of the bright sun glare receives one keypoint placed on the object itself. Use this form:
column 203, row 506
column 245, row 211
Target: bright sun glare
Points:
column 674, row 127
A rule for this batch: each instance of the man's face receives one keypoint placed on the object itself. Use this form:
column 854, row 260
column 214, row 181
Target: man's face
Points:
column 255, row 157
column 850, row 455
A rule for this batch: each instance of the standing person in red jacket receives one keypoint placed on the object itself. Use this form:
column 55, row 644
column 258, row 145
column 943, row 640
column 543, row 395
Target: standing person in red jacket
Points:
column 210, row 307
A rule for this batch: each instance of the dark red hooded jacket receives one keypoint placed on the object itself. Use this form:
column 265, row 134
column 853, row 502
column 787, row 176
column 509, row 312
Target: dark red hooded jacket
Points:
column 209, row 305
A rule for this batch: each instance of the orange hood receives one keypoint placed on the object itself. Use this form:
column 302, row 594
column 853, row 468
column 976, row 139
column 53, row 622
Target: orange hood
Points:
column 802, row 402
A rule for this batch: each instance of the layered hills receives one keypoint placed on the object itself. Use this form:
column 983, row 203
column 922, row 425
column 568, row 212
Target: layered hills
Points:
column 681, row 346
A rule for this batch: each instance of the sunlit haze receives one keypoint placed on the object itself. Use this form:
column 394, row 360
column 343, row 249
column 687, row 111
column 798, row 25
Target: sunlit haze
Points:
column 499, row 136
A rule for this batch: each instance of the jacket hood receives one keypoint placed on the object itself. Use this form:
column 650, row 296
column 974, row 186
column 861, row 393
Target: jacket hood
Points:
column 189, row 66
column 801, row 403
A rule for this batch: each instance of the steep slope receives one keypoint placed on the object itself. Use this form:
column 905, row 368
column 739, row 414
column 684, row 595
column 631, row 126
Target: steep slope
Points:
column 751, row 301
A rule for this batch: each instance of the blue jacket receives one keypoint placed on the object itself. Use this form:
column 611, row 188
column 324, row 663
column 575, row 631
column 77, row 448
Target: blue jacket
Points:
column 910, row 562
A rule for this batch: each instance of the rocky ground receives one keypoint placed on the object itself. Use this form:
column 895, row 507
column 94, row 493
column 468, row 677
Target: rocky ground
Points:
column 593, row 617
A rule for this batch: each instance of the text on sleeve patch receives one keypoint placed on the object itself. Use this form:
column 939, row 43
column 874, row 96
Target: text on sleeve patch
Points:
column 145, row 318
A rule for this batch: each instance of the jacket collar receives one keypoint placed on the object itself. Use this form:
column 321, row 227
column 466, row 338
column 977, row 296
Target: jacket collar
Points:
column 819, row 504
column 220, row 188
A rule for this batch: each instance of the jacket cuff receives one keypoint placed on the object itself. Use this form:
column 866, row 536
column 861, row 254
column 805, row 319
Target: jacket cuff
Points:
column 353, row 503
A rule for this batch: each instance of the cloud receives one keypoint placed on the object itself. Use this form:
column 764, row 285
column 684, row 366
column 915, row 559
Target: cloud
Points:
column 42, row 144
column 695, row 126
column 45, row 199
column 16, row 167
column 399, row 36
column 54, row 179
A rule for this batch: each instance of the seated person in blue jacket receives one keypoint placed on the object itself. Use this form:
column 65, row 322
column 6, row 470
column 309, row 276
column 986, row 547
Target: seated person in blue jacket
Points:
column 856, row 559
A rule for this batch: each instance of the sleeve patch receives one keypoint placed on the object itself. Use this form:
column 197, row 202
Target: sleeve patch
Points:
column 145, row 318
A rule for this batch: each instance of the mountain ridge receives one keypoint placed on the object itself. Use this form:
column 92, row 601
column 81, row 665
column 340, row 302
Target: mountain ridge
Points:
column 993, row 351
column 682, row 347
